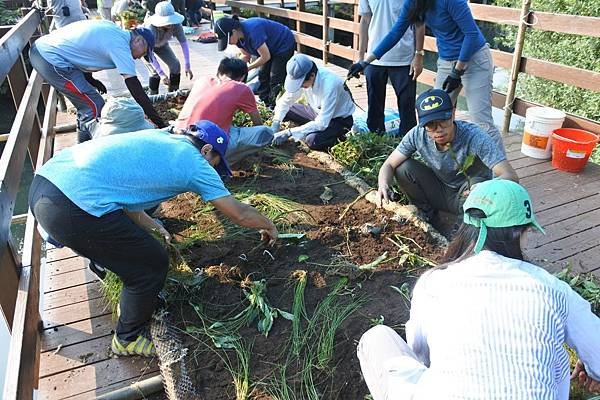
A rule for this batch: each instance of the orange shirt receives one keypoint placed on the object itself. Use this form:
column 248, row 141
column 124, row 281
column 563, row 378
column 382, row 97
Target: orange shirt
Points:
column 216, row 101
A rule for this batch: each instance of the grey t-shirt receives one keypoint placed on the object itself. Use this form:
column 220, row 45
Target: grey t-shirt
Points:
column 162, row 37
column 469, row 139
column 73, row 9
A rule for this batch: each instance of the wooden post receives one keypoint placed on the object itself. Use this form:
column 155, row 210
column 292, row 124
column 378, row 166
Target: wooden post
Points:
column 516, row 65
column 325, row 32
column 355, row 18
column 300, row 6
column 261, row 3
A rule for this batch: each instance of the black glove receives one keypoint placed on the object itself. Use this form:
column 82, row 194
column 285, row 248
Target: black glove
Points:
column 99, row 86
column 356, row 68
column 453, row 80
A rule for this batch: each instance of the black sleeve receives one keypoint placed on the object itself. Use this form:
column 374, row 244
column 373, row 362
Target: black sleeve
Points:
column 137, row 92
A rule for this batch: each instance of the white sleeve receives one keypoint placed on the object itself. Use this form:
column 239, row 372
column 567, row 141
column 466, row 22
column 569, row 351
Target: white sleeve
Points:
column 583, row 333
column 364, row 8
column 416, row 334
column 333, row 92
column 283, row 104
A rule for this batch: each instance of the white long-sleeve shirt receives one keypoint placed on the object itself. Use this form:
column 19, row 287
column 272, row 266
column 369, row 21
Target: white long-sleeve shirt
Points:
column 326, row 97
column 491, row 327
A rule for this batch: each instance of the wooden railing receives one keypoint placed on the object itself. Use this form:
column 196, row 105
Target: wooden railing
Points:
column 31, row 139
column 578, row 25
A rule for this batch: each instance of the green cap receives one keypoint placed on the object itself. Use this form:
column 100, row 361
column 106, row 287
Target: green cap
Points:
column 505, row 204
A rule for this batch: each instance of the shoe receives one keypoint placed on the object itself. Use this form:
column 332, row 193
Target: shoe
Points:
column 142, row 346
column 99, row 270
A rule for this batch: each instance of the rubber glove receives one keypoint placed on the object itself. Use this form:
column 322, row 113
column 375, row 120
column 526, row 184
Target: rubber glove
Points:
column 281, row 137
column 356, row 68
column 453, row 80
column 276, row 126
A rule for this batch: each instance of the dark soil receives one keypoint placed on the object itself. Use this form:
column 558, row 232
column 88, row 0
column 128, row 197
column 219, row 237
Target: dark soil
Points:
column 328, row 241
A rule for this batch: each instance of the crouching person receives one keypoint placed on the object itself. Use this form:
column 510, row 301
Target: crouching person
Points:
column 447, row 147
column 91, row 198
column 217, row 99
column 487, row 324
column 327, row 117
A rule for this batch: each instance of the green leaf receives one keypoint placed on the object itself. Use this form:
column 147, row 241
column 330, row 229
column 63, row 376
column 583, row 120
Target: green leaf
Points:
column 468, row 162
column 285, row 314
column 303, row 258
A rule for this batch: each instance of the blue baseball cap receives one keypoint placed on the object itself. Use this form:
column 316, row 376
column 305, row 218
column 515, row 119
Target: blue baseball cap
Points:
column 434, row 105
column 149, row 38
column 215, row 136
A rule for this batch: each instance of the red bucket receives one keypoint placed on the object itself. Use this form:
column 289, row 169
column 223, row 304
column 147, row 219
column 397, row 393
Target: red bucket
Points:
column 571, row 148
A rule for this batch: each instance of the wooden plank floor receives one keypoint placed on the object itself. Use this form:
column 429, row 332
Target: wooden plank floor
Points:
column 75, row 359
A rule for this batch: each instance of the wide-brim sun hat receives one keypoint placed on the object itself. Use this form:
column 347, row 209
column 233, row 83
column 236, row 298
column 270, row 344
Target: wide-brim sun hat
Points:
column 505, row 204
column 164, row 15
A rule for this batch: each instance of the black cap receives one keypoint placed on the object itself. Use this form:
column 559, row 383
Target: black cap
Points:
column 223, row 28
column 434, row 105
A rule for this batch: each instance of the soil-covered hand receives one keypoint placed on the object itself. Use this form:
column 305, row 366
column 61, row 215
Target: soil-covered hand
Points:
column 583, row 378
column 383, row 195
column 269, row 235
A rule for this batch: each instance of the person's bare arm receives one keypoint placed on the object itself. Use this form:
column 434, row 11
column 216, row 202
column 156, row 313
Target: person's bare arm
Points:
column 256, row 119
column 416, row 66
column 146, row 222
column 363, row 35
column 246, row 215
column 245, row 55
column 505, row 171
column 386, row 176
column 264, row 55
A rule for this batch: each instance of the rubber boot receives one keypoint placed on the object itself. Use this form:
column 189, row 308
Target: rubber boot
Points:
column 174, row 82
column 153, row 83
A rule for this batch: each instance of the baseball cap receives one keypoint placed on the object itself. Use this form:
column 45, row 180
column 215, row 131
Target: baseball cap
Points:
column 223, row 28
column 215, row 136
column 434, row 105
column 505, row 204
column 297, row 68
column 149, row 38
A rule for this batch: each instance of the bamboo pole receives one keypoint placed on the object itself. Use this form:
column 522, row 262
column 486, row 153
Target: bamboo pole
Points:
column 325, row 32
column 516, row 65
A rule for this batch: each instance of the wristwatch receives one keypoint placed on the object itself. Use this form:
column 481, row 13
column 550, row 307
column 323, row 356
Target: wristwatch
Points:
column 420, row 52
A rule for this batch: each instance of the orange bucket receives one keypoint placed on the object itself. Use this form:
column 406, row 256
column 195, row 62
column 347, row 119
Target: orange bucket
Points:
column 571, row 148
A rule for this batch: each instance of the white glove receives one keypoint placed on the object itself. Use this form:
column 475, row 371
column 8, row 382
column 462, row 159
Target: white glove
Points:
column 276, row 126
column 281, row 137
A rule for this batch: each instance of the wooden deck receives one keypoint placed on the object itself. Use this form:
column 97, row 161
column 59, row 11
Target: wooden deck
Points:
column 77, row 329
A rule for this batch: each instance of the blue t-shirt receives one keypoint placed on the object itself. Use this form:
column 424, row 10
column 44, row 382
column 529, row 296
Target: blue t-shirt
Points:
column 133, row 171
column 89, row 46
column 278, row 37
column 468, row 139
column 457, row 35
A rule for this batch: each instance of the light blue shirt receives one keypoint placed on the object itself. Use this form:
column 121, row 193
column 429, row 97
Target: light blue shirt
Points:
column 133, row 171
column 89, row 46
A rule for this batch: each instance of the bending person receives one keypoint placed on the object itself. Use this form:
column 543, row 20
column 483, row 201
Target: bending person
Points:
column 326, row 118
column 464, row 56
column 217, row 99
column 91, row 197
column 164, row 24
column 446, row 146
column 66, row 59
column 273, row 43
column 509, row 319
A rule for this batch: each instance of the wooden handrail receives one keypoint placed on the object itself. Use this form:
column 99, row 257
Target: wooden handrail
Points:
column 13, row 43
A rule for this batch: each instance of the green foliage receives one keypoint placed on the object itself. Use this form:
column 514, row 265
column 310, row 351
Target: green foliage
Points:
column 364, row 154
column 242, row 119
column 573, row 50
column 586, row 285
column 8, row 16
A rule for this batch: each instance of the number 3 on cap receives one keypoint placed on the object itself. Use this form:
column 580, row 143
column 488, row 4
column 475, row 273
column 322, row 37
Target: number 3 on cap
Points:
column 527, row 209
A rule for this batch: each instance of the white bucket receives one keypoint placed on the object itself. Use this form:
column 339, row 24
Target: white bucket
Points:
column 537, row 135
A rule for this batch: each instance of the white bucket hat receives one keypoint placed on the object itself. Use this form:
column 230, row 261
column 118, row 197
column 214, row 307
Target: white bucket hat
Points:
column 164, row 14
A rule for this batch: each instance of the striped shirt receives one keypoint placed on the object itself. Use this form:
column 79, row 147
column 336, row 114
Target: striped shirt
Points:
column 491, row 327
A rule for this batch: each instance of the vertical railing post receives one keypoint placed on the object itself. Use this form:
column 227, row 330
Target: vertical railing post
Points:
column 301, row 7
column 261, row 3
column 356, row 19
column 325, row 32
column 516, row 65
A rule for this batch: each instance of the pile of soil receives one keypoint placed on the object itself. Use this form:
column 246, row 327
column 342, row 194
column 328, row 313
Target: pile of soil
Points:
column 332, row 248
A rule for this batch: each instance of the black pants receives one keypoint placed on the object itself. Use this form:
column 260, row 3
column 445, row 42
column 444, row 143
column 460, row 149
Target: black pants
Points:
column 425, row 190
column 113, row 241
column 271, row 77
column 405, row 89
column 322, row 140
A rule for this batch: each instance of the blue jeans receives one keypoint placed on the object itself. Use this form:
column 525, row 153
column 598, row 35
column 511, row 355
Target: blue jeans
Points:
column 247, row 140
column 405, row 89
column 477, row 82
column 72, row 83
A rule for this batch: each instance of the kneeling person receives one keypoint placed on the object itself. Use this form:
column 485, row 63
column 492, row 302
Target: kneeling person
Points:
column 91, row 197
column 217, row 99
column 446, row 146
column 327, row 117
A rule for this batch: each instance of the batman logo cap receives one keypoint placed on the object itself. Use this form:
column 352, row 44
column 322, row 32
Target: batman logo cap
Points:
column 434, row 105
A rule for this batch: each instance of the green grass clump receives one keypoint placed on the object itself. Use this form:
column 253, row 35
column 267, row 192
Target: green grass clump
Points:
column 586, row 285
column 595, row 156
column 242, row 119
column 364, row 154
